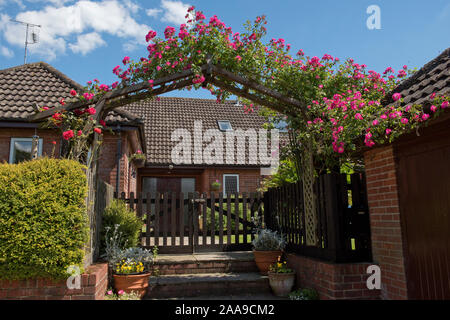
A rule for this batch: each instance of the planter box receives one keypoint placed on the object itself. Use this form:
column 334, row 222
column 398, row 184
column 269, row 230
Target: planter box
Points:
column 132, row 282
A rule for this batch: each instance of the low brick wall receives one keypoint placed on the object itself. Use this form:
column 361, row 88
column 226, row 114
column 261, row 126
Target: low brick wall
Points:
column 94, row 283
column 332, row 281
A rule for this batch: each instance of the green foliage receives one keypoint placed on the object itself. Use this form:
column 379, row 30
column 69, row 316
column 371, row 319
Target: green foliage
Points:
column 304, row 294
column 43, row 220
column 129, row 225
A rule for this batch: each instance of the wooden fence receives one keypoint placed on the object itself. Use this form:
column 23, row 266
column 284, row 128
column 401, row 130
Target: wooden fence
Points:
column 342, row 227
column 179, row 223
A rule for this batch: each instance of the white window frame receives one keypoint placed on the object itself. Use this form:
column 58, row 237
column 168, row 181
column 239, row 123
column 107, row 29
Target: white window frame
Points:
column 230, row 175
column 223, row 130
column 14, row 140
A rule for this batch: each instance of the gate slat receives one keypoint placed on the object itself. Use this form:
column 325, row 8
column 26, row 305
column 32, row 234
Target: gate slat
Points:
column 252, row 216
column 132, row 201
column 221, row 226
column 244, row 216
column 228, row 218
column 195, row 217
column 213, row 218
column 148, row 220
column 139, row 206
column 191, row 218
column 157, row 216
column 165, row 217
column 173, row 222
column 236, row 217
column 205, row 227
column 181, row 213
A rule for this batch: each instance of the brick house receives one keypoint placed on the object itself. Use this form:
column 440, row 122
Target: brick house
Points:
column 408, row 193
column 146, row 126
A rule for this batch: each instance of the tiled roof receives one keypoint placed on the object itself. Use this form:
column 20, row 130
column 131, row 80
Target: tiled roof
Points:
column 432, row 77
column 162, row 117
column 39, row 83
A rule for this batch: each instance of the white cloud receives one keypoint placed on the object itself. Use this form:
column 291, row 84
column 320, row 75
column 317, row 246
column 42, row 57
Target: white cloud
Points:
column 60, row 26
column 6, row 52
column 153, row 12
column 175, row 11
column 87, row 43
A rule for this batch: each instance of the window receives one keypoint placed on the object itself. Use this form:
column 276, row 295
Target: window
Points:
column 230, row 183
column 224, row 125
column 21, row 149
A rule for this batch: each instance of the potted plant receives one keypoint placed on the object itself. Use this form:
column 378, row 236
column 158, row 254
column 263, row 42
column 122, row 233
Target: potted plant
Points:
column 281, row 278
column 138, row 159
column 215, row 186
column 267, row 247
column 131, row 270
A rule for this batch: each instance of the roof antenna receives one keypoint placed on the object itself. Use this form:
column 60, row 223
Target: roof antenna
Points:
column 34, row 35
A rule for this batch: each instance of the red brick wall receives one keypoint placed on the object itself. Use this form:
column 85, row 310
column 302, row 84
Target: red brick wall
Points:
column 94, row 283
column 332, row 281
column 249, row 179
column 387, row 244
column 47, row 135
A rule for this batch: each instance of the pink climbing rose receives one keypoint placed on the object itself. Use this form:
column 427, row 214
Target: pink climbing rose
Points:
column 396, row 96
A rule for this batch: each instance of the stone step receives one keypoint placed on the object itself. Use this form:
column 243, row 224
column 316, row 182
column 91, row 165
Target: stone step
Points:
column 198, row 263
column 197, row 285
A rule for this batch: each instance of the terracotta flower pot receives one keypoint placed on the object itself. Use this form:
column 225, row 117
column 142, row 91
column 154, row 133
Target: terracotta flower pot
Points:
column 264, row 259
column 281, row 283
column 132, row 282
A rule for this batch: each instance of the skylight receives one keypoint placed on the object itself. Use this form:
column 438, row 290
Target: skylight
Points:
column 224, row 125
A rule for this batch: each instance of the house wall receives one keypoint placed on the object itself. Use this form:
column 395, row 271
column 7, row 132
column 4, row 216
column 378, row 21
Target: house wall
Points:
column 249, row 179
column 47, row 135
column 108, row 153
column 385, row 224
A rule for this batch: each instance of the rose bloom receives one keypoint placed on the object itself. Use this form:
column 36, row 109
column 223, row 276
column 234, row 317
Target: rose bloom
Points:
column 67, row 135
column 98, row 130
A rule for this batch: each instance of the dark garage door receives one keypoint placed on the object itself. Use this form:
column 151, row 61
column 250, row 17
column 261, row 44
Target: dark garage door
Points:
column 424, row 189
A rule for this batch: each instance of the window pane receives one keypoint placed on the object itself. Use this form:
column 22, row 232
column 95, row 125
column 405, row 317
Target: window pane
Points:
column 224, row 125
column 22, row 151
column 231, row 184
column 149, row 185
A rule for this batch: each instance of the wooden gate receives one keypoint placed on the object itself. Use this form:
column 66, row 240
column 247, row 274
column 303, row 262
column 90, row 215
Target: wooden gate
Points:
column 179, row 223
column 424, row 192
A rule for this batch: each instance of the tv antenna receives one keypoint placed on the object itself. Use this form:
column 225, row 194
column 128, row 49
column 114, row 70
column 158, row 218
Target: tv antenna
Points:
column 34, row 35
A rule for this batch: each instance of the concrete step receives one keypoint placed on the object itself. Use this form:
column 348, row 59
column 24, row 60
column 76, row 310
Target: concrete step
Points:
column 197, row 285
column 198, row 263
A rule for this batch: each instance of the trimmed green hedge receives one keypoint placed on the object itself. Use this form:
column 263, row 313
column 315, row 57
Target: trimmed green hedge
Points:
column 43, row 219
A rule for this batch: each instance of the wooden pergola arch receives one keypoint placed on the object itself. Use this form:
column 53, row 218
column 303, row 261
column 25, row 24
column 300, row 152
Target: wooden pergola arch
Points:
column 217, row 76
column 126, row 95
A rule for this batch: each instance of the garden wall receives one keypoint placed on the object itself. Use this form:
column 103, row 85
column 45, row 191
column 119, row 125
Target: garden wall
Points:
column 94, row 283
column 332, row 281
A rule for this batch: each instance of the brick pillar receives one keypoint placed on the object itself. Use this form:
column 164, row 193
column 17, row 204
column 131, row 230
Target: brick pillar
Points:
column 387, row 243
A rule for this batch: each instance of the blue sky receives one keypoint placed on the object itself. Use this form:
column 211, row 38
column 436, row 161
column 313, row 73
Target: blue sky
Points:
column 87, row 39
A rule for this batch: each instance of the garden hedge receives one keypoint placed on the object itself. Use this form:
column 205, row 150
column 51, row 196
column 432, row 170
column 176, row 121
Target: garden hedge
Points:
column 43, row 218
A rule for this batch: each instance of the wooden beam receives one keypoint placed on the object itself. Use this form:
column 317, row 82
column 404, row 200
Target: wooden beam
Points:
column 147, row 94
column 261, row 89
column 114, row 94
column 244, row 94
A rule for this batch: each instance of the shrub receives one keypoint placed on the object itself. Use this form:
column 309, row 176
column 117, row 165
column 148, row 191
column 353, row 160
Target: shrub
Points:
column 267, row 240
column 43, row 219
column 129, row 226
